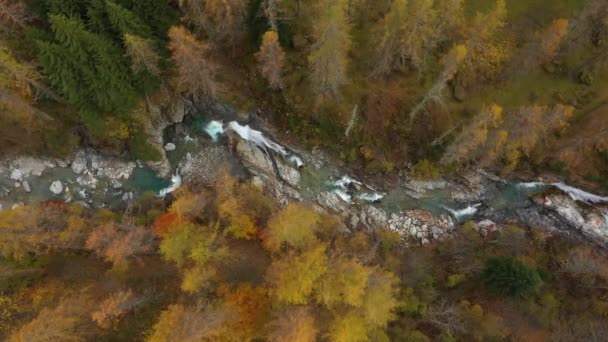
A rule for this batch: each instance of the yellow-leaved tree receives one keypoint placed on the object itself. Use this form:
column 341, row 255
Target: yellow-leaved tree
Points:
column 464, row 148
column 293, row 277
column 329, row 58
column 294, row 226
column 142, row 54
column 271, row 59
column 294, row 324
column 344, row 283
column 486, row 53
column 195, row 73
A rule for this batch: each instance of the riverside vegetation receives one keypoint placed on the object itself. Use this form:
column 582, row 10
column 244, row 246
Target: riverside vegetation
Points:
column 422, row 87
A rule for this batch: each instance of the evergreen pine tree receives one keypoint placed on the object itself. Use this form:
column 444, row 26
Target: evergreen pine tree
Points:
column 88, row 69
column 125, row 21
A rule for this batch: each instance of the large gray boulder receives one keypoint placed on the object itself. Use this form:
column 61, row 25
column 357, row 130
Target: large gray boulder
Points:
column 79, row 164
column 570, row 215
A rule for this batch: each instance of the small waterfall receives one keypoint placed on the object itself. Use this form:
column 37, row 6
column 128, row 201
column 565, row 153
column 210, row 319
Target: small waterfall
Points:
column 176, row 181
column 464, row 212
column 345, row 181
column 531, row 185
column 214, row 129
column 580, row 195
column 343, row 195
column 256, row 137
column 295, row 160
column 372, row 197
column 575, row 193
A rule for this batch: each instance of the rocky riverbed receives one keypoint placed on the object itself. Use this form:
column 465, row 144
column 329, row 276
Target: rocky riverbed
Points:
column 420, row 212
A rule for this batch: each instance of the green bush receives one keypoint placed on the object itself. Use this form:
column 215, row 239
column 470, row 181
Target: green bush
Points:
column 425, row 170
column 510, row 277
column 454, row 280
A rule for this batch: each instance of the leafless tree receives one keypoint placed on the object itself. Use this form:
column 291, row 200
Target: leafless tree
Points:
column 446, row 317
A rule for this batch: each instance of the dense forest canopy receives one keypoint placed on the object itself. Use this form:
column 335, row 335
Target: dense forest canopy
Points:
column 428, row 86
column 419, row 72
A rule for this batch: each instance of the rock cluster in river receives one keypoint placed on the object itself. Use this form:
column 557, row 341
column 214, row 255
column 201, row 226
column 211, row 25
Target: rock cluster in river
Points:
column 201, row 168
column 280, row 178
column 89, row 167
column 568, row 214
column 555, row 212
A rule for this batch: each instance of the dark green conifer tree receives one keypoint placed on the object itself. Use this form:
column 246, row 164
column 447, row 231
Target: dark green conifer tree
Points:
column 88, row 69
column 125, row 21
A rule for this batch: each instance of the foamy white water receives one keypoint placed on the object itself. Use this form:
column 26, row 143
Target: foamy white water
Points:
column 295, row 160
column 214, row 129
column 176, row 181
column 580, row 195
column 343, row 195
column 370, row 197
column 256, row 137
column 460, row 213
column 345, row 181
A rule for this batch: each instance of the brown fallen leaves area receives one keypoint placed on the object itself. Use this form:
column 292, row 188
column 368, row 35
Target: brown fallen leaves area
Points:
column 583, row 145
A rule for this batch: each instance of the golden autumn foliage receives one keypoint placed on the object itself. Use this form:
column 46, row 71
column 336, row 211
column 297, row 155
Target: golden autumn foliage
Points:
column 329, row 57
column 530, row 126
column 421, row 33
column 348, row 327
column 142, row 54
column 486, row 53
column 120, row 243
column 241, row 207
column 474, row 135
column 293, row 277
column 293, row 226
column 195, row 73
column 344, row 283
column 180, row 323
column 271, row 59
column 251, row 307
column 224, row 21
column 68, row 321
column 551, row 38
column 294, row 324
column 490, row 138
column 111, row 310
column 391, row 48
column 28, row 230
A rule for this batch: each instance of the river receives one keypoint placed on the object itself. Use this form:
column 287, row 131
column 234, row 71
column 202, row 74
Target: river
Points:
column 113, row 182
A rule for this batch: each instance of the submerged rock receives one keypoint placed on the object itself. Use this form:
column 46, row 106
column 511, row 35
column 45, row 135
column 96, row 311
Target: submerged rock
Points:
column 87, row 180
column 127, row 196
column 30, row 166
column 16, row 175
column 26, row 186
column 56, row 187
column 114, row 168
column 170, row 147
